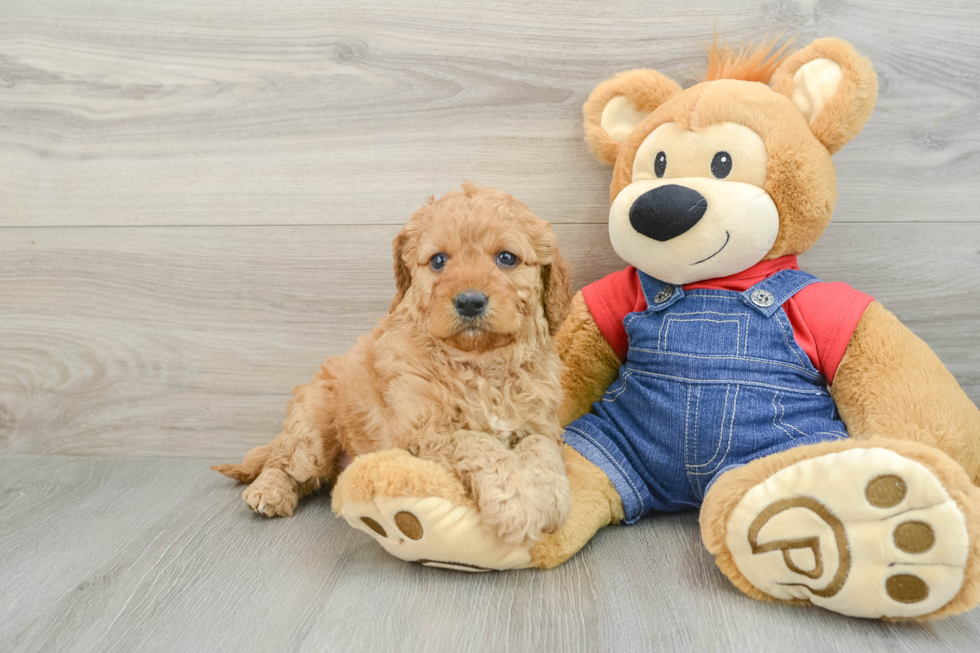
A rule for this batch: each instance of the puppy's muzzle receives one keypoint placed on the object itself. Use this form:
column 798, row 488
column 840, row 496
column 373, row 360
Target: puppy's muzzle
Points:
column 667, row 211
column 470, row 304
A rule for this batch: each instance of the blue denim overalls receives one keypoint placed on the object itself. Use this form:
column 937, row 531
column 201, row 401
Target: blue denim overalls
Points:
column 713, row 380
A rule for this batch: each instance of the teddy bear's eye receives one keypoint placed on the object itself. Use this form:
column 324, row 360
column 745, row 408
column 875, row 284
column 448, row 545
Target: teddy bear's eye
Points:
column 721, row 165
column 660, row 164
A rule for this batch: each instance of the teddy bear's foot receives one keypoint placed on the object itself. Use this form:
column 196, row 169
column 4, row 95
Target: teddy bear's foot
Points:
column 420, row 512
column 863, row 531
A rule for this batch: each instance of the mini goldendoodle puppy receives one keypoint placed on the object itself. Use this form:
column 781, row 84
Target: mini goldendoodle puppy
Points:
column 462, row 371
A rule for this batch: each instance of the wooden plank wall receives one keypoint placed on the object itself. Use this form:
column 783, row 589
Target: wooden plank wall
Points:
column 197, row 199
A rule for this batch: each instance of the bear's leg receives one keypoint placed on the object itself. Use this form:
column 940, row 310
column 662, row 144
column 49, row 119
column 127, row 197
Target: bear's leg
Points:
column 595, row 503
column 869, row 528
column 420, row 512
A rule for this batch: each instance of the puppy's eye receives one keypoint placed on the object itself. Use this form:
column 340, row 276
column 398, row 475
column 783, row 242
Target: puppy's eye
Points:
column 721, row 165
column 438, row 261
column 506, row 259
column 660, row 164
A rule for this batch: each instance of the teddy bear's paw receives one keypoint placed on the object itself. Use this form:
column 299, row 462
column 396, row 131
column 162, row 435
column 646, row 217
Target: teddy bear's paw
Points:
column 419, row 511
column 272, row 494
column 865, row 532
column 434, row 532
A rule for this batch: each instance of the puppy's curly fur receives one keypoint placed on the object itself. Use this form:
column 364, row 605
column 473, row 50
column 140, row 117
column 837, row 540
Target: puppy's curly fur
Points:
column 479, row 395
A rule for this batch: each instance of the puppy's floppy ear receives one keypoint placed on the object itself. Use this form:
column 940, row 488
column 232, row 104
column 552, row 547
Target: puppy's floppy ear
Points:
column 833, row 86
column 403, row 247
column 556, row 278
column 618, row 105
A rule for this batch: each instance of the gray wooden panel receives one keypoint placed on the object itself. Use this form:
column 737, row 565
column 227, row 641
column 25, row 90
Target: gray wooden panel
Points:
column 350, row 112
column 332, row 122
column 186, row 341
column 135, row 555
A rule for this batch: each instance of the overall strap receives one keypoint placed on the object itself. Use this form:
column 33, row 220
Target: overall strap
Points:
column 771, row 293
column 659, row 295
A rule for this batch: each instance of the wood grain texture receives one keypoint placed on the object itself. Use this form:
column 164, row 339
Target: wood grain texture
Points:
column 187, row 341
column 197, row 201
column 350, row 112
column 134, row 555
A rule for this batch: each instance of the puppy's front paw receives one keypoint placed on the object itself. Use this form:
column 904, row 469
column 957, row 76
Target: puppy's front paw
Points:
column 512, row 520
column 520, row 509
column 272, row 494
column 561, row 506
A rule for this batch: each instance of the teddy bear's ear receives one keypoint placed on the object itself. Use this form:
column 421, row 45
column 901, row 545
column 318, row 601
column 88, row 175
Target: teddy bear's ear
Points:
column 833, row 86
column 618, row 105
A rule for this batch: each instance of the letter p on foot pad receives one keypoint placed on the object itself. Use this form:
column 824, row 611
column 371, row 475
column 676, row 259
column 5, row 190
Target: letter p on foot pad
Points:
column 864, row 532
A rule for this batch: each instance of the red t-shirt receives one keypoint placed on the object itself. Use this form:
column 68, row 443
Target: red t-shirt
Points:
column 823, row 315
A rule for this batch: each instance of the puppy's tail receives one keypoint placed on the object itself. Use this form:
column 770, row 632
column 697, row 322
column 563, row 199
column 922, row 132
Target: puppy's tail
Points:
column 250, row 468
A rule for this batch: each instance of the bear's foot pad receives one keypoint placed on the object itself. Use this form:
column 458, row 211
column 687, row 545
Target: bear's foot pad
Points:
column 434, row 532
column 863, row 532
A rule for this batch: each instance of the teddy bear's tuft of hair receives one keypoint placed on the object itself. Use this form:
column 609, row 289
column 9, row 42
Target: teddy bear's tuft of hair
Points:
column 751, row 63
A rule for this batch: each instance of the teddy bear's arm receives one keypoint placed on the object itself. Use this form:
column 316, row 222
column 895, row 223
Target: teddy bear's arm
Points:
column 589, row 363
column 891, row 384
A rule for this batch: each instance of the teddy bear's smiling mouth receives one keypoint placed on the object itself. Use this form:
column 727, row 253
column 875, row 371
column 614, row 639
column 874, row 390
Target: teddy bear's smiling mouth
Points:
column 728, row 236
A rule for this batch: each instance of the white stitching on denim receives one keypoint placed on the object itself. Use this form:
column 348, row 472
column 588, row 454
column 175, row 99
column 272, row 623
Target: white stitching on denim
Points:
column 819, row 393
column 745, row 345
column 775, row 412
column 806, row 282
column 618, row 391
column 780, row 299
column 721, row 432
column 788, row 345
column 649, row 296
column 836, row 434
column 738, row 328
column 786, row 338
column 687, row 413
column 613, row 461
column 690, row 481
column 660, row 334
column 782, row 418
column 691, row 294
column 733, row 358
column 709, row 313
column 697, row 412
column 731, row 436
column 672, row 317
column 633, row 317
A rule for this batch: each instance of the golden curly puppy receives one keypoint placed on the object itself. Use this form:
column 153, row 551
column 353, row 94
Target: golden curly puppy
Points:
column 462, row 371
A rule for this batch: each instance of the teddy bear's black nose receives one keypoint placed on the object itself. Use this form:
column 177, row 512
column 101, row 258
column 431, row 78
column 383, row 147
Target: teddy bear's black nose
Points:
column 667, row 211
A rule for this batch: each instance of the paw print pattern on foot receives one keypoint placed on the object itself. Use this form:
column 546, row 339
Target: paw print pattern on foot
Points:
column 864, row 532
column 909, row 536
column 407, row 523
column 433, row 532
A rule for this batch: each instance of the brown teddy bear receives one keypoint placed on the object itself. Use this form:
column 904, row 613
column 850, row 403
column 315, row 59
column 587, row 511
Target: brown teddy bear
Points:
column 831, row 454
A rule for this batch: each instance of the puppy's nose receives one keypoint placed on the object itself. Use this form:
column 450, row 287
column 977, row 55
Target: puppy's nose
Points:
column 471, row 303
column 667, row 211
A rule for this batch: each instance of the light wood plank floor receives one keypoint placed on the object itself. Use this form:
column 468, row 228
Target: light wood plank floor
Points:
column 151, row 554
column 197, row 201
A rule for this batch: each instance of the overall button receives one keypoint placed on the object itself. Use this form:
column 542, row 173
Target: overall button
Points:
column 762, row 298
column 667, row 293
